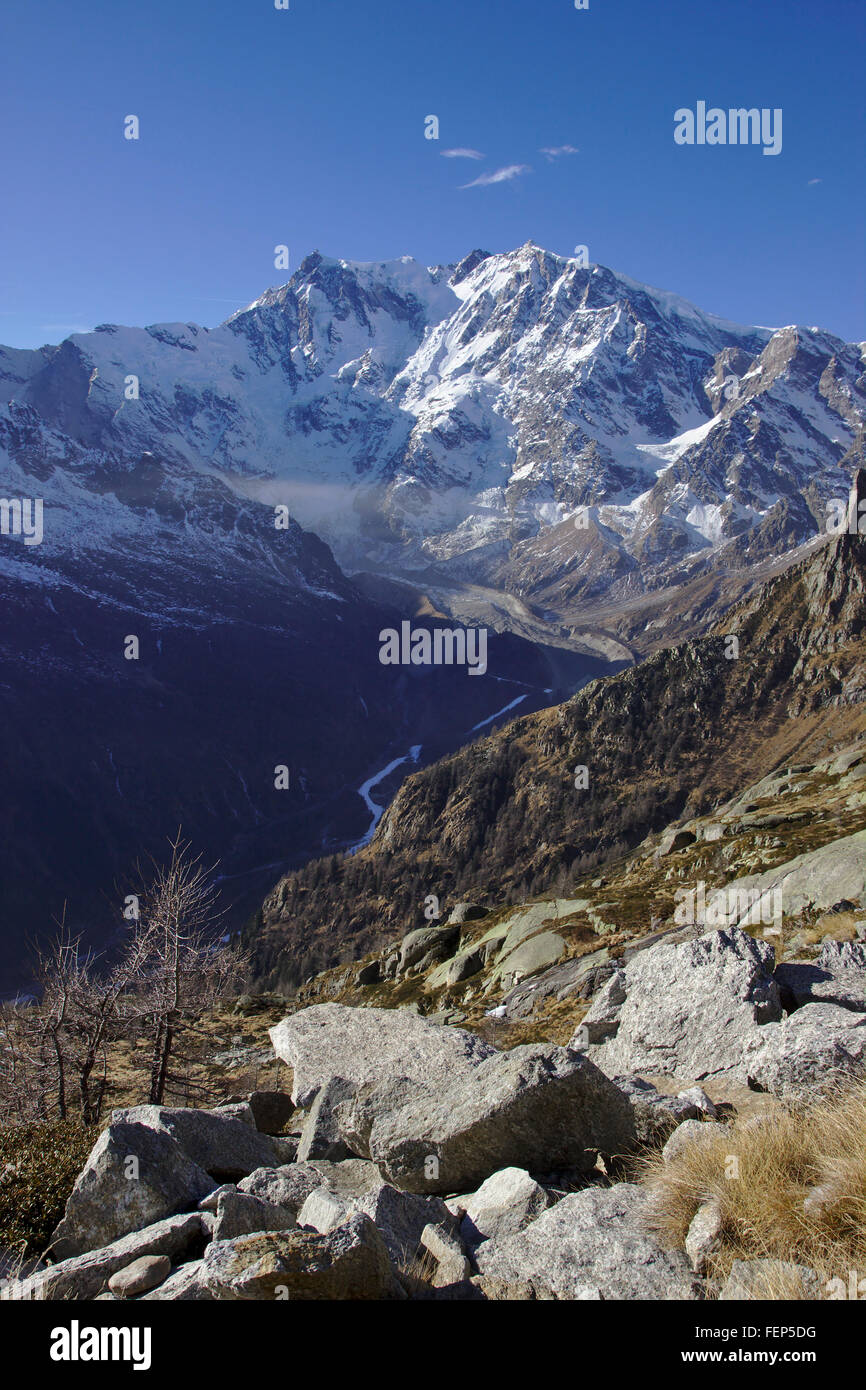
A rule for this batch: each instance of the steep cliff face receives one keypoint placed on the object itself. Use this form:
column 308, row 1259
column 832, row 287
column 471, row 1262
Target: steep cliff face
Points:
column 252, row 652
column 530, row 808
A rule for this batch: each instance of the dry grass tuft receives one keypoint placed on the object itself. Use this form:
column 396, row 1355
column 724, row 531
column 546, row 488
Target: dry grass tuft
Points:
column 779, row 1161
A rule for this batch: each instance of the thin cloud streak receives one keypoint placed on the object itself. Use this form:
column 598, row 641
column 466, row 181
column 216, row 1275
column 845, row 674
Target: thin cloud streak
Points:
column 553, row 152
column 503, row 175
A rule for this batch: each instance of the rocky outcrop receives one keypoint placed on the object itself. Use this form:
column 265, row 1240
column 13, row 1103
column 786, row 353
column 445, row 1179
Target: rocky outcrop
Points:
column 84, row 1276
column 504, row 1204
column 815, row 881
column 348, row 1262
column 535, row 1107
column 540, row 951
column 370, row 1045
column 810, row 1051
column 686, row 1009
column 592, row 1245
column 222, row 1144
column 135, row 1175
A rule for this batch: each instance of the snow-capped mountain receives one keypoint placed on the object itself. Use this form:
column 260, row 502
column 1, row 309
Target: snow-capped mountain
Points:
column 530, row 434
column 175, row 654
column 518, row 420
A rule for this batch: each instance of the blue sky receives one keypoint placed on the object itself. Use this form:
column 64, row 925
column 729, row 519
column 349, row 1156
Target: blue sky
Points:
column 306, row 127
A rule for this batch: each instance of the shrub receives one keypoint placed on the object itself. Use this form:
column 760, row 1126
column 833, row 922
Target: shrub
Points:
column 39, row 1163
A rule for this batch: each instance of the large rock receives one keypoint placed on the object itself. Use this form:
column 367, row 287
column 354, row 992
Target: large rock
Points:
column 838, row 976
column 592, row 1245
column 808, row 1052
column 348, row 1262
column 675, row 840
column 370, row 1045
column 186, row 1285
column 426, row 946
column 400, row 1217
column 226, row 1147
column 144, row 1274
column 686, row 1009
column 240, row 1213
column 503, row 1205
column 544, row 949
column 291, row 1186
column 466, row 912
column 135, row 1175
column 321, row 1136
column 538, row 1107
column 85, row 1276
column 818, row 880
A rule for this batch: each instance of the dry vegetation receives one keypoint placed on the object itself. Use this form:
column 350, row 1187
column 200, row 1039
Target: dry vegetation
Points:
column 39, row 1163
column 783, row 1158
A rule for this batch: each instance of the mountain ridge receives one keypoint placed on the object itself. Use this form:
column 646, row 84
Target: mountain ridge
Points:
column 504, row 817
column 462, row 418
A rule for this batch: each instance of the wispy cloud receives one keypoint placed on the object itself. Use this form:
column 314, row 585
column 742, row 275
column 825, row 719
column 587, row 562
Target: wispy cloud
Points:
column 504, row 175
column 811, row 181
column 65, row 328
column 552, row 152
column 462, row 154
